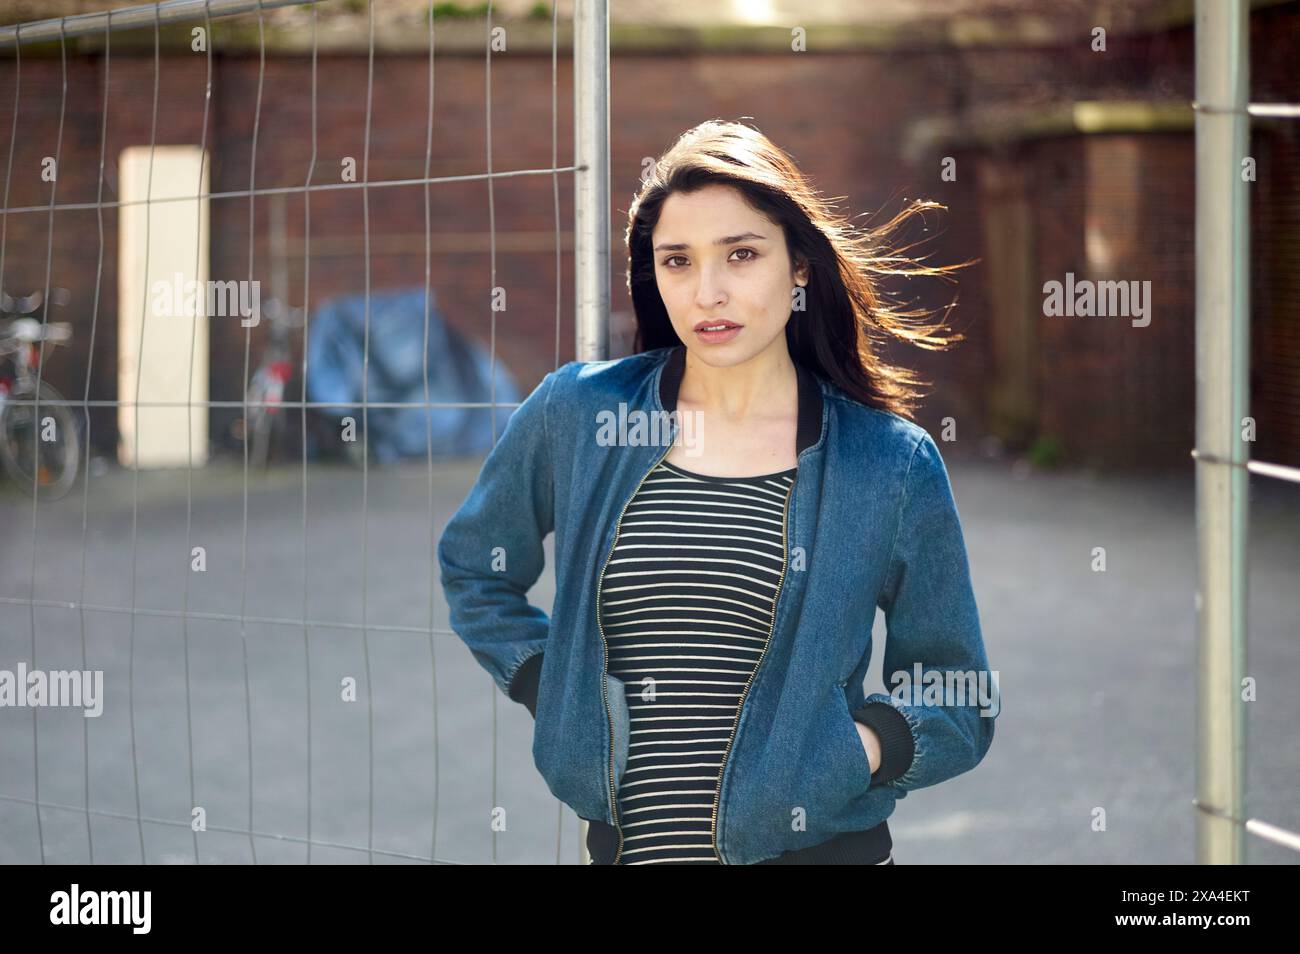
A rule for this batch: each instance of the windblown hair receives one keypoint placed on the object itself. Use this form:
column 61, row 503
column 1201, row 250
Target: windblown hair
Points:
column 848, row 318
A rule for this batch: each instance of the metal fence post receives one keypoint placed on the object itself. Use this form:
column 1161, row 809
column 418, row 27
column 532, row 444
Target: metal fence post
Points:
column 591, row 181
column 591, row 200
column 1222, row 401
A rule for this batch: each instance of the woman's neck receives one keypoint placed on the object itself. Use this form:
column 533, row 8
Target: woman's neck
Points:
column 767, row 385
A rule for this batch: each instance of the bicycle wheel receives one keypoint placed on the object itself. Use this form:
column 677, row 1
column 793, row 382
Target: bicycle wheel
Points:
column 47, row 466
column 256, row 430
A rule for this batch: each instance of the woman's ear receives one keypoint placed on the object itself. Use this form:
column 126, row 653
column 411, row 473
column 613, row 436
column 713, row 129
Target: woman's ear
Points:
column 801, row 269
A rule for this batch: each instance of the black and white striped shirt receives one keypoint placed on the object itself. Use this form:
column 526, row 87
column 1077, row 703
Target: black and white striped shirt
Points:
column 686, row 607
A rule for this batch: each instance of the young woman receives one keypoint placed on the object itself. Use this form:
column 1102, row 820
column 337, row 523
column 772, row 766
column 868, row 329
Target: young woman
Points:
column 730, row 505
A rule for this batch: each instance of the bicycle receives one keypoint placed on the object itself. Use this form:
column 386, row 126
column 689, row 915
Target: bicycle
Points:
column 40, row 455
column 266, row 420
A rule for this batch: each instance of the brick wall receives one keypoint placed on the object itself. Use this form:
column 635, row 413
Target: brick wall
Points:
column 1114, row 394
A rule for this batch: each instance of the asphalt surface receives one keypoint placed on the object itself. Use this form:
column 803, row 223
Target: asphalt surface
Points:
column 1097, row 673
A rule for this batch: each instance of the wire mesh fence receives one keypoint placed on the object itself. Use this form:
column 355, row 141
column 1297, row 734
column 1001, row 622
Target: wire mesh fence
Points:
column 262, row 643
column 1224, row 428
column 307, row 641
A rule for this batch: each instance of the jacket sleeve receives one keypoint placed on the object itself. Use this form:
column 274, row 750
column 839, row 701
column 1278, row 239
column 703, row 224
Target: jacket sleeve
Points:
column 491, row 552
column 932, row 623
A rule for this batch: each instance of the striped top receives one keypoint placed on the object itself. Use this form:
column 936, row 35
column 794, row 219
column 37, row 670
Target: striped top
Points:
column 687, row 602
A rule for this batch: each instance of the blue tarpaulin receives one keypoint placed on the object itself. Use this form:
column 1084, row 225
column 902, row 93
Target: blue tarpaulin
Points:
column 459, row 371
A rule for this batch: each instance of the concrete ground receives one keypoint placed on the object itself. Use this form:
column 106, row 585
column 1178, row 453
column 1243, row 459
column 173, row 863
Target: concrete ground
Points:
column 1096, row 672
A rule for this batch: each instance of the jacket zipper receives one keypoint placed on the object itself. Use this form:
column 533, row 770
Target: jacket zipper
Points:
column 722, row 767
column 604, row 686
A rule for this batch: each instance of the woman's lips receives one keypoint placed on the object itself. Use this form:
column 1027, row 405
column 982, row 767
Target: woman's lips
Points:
column 718, row 337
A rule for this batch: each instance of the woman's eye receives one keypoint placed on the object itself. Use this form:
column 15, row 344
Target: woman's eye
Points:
column 672, row 260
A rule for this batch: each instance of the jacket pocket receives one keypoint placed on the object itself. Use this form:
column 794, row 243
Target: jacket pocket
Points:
column 861, row 764
column 621, row 738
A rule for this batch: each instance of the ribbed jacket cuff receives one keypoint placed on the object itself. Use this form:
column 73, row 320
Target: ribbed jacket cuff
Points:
column 897, row 747
column 523, row 687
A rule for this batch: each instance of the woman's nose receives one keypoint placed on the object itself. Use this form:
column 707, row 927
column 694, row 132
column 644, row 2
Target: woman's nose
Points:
column 711, row 290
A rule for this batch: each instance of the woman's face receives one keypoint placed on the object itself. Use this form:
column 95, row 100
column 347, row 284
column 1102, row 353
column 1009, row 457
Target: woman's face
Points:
column 720, row 262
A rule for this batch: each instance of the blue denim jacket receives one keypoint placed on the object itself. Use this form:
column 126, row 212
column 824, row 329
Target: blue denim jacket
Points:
column 871, row 522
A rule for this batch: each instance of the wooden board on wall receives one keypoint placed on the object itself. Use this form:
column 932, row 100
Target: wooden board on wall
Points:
column 162, row 348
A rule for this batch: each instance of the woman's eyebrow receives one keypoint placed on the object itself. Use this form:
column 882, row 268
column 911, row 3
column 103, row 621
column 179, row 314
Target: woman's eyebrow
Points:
column 725, row 240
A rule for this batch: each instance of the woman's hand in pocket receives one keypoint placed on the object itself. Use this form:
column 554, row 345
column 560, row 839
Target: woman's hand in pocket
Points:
column 871, row 743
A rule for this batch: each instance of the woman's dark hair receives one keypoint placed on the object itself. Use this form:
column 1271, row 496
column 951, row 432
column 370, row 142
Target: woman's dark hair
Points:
column 848, row 318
